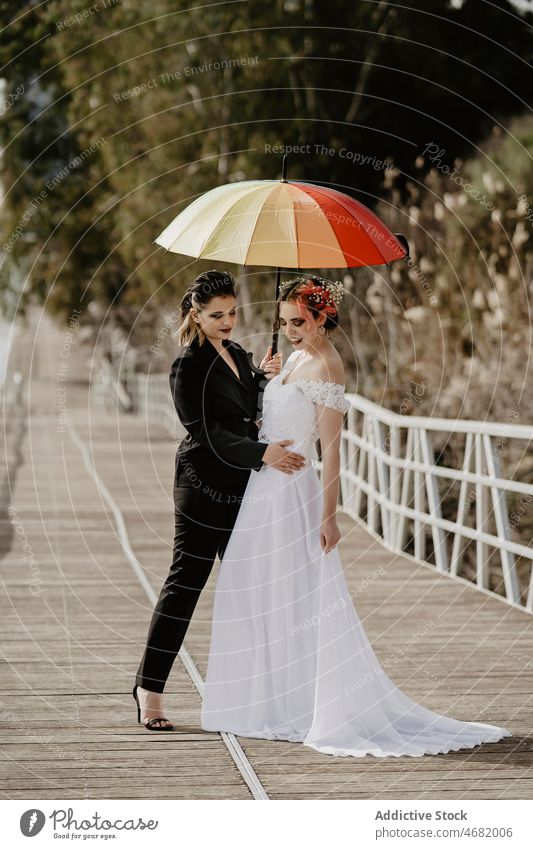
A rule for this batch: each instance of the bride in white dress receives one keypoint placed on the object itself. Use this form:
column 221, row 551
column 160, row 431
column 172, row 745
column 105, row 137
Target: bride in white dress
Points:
column 289, row 658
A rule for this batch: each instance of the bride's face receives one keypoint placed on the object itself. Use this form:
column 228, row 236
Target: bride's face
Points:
column 298, row 324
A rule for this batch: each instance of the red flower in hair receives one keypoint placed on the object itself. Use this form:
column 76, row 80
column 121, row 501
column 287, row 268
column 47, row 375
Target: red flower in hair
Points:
column 319, row 297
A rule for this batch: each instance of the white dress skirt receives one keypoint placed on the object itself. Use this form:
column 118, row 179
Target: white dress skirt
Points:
column 289, row 658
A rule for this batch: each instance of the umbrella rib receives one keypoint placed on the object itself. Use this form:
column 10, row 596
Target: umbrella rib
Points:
column 254, row 228
column 234, row 203
column 295, row 216
column 332, row 231
column 315, row 188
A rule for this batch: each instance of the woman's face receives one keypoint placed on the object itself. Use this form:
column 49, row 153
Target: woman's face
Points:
column 217, row 317
column 299, row 325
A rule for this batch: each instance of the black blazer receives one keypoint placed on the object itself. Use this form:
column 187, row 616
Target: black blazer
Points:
column 218, row 412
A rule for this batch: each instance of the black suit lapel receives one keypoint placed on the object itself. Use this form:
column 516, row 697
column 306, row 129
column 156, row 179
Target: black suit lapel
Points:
column 213, row 360
column 241, row 358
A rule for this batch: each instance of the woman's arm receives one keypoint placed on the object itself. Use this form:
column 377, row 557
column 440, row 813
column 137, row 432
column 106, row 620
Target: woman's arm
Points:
column 329, row 428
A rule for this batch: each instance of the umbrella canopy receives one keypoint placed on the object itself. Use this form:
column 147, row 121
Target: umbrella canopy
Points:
column 281, row 223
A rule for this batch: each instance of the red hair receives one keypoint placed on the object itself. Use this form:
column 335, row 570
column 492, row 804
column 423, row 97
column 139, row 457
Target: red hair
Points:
column 311, row 293
column 318, row 295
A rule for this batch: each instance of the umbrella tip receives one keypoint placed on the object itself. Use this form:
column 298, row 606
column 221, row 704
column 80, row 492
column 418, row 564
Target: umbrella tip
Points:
column 404, row 243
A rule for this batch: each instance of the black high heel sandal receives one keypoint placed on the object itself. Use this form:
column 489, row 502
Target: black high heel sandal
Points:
column 149, row 724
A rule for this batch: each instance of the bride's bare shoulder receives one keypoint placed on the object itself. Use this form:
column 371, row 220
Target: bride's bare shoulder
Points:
column 329, row 367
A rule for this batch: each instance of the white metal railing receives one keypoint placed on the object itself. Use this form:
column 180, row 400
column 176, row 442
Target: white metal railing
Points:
column 107, row 390
column 390, row 481
column 154, row 401
column 388, row 459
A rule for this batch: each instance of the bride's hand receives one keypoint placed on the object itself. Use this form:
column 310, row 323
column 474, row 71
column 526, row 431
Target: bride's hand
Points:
column 329, row 534
column 271, row 365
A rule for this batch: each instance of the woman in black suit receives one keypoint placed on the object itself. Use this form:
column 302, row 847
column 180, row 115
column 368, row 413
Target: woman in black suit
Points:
column 215, row 388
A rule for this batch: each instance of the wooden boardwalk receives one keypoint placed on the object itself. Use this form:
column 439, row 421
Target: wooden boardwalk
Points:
column 75, row 610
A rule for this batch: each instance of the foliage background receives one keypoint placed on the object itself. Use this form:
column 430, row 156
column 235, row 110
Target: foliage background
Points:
column 382, row 80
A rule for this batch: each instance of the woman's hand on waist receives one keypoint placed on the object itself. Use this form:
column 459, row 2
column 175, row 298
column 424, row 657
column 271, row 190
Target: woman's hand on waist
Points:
column 277, row 456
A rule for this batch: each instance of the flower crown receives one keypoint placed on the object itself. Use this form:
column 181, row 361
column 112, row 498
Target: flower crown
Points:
column 324, row 294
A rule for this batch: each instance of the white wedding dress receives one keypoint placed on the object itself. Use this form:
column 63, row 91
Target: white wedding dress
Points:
column 289, row 658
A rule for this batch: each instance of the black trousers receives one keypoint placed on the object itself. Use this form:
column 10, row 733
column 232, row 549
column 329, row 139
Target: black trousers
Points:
column 203, row 525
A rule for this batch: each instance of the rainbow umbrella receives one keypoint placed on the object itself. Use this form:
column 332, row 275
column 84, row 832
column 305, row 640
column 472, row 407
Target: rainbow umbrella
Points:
column 282, row 223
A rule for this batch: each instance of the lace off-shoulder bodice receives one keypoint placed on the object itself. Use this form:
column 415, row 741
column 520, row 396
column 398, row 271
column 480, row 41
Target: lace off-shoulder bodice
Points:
column 289, row 410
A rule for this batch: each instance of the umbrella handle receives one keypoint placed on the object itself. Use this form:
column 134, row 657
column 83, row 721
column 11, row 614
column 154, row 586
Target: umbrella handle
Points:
column 252, row 365
column 274, row 344
column 275, row 323
column 262, row 382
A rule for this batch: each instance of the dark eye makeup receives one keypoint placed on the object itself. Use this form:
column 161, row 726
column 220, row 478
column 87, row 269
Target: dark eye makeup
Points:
column 296, row 321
